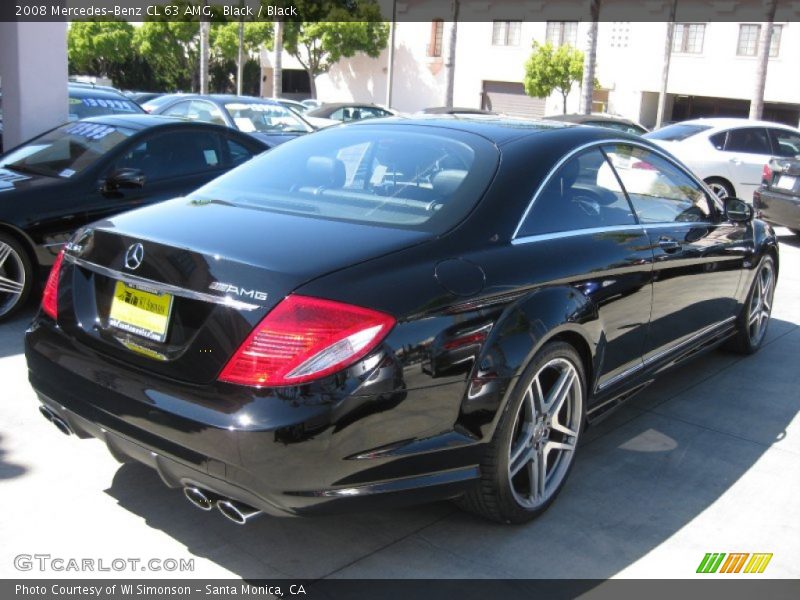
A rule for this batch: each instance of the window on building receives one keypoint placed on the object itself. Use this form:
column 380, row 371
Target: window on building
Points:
column 437, row 33
column 506, row 33
column 620, row 34
column 749, row 35
column 561, row 33
column 688, row 38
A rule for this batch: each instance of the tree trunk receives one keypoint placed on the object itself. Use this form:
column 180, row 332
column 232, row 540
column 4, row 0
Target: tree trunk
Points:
column 450, row 65
column 240, row 60
column 589, row 61
column 312, row 81
column 757, row 100
column 390, row 60
column 277, row 63
column 204, row 54
column 564, row 101
column 662, row 93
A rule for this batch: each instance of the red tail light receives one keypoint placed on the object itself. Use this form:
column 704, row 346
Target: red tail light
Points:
column 766, row 174
column 303, row 339
column 50, row 296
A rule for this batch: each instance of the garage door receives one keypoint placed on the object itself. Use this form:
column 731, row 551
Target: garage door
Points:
column 510, row 98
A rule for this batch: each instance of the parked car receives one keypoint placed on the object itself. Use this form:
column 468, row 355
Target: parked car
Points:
column 601, row 120
column 302, row 111
column 728, row 154
column 311, row 103
column 262, row 118
column 89, row 169
column 89, row 101
column 155, row 103
column 294, row 105
column 345, row 112
column 394, row 311
column 777, row 201
column 142, row 97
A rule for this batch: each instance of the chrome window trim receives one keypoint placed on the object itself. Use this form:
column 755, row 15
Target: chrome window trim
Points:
column 697, row 335
column 161, row 287
column 599, row 144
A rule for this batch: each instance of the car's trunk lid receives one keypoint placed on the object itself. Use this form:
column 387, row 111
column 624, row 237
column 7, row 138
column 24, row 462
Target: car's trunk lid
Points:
column 209, row 273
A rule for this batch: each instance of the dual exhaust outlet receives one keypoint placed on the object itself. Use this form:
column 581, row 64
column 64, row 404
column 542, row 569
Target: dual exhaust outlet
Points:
column 237, row 512
column 60, row 423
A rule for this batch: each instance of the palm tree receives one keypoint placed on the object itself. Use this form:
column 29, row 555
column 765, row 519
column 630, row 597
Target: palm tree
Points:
column 764, row 42
column 662, row 94
column 450, row 65
column 204, row 25
column 590, row 60
column 277, row 67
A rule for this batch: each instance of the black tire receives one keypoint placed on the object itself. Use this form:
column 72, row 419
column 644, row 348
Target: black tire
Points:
column 749, row 338
column 718, row 185
column 15, row 267
column 497, row 495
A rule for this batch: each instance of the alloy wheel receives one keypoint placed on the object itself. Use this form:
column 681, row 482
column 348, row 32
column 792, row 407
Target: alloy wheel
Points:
column 545, row 433
column 12, row 278
column 760, row 305
column 719, row 190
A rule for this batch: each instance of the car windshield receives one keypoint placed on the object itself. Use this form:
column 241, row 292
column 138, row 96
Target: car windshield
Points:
column 89, row 106
column 66, row 150
column 265, row 118
column 393, row 177
column 676, row 132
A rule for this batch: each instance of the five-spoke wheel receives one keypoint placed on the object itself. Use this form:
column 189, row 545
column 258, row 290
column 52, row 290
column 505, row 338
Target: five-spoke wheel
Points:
column 15, row 276
column 751, row 328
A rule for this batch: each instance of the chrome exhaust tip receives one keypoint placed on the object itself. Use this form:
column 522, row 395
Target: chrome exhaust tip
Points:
column 237, row 512
column 200, row 498
column 60, row 423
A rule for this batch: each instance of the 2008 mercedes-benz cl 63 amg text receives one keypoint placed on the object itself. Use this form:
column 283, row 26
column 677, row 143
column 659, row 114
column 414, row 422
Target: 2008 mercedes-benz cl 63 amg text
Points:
column 393, row 312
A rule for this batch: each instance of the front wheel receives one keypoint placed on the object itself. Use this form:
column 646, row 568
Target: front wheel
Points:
column 751, row 326
column 533, row 449
column 16, row 276
column 721, row 188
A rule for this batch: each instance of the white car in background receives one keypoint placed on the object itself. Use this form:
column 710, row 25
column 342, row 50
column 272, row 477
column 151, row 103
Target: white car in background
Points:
column 728, row 154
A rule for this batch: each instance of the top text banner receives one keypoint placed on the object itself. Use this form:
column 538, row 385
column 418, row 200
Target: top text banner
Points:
column 403, row 10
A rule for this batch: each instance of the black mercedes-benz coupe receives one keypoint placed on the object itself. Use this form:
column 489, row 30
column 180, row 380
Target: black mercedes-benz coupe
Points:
column 393, row 312
column 86, row 170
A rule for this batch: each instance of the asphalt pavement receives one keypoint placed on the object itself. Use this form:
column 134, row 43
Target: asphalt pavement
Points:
column 705, row 460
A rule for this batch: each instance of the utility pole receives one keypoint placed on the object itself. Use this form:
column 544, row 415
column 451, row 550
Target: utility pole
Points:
column 764, row 42
column 662, row 93
column 450, row 65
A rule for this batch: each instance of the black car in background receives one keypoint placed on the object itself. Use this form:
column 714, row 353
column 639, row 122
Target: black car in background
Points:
column 264, row 119
column 778, row 199
column 395, row 311
column 90, row 169
column 601, row 120
column 349, row 111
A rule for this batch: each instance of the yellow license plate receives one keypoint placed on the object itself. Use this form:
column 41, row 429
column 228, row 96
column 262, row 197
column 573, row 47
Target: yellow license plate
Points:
column 140, row 312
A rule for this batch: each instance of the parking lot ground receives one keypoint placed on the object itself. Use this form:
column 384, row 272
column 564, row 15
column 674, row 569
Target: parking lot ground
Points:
column 705, row 460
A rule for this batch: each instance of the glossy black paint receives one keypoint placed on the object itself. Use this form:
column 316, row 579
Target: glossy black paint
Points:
column 411, row 421
column 42, row 212
column 780, row 205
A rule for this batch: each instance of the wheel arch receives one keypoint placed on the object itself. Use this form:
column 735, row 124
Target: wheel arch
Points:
column 25, row 241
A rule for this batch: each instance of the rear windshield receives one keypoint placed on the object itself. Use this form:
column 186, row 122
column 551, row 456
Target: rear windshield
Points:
column 264, row 117
column 391, row 176
column 65, row 151
column 677, row 132
column 82, row 108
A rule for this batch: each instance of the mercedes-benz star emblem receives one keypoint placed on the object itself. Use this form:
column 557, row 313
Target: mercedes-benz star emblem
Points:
column 134, row 256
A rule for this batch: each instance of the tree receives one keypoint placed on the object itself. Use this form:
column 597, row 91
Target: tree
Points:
column 551, row 70
column 99, row 47
column 338, row 29
column 171, row 48
column 224, row 44
column 764, row 43
column 588, row 83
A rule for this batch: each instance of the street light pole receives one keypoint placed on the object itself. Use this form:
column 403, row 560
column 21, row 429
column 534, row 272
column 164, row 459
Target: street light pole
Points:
column 390, row 68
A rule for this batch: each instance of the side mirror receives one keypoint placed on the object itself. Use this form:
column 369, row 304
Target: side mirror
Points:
column 738, row 211
column 124, row 179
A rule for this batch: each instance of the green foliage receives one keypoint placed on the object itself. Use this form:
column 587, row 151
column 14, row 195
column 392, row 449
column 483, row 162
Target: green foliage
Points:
column 94, row 46
column 551, row 70
column 338, row 29
column 224, row 38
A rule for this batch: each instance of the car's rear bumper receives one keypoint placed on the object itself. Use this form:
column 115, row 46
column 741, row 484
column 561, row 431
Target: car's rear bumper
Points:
column 777, row 208
column 282, row 455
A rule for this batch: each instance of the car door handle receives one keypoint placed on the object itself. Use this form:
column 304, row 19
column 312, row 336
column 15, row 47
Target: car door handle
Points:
column 735, row 161
column 668, row 245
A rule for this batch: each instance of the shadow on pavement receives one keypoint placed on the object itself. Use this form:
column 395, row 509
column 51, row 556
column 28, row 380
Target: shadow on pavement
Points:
column 640, row 477
column 12, row 341
column 9, row 470
column 789, row 238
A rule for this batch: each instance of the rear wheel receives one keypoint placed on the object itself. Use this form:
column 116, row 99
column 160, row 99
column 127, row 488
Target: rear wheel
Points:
column 16, row 276
column 751, row 326
column 533, row 448
column 720, row 187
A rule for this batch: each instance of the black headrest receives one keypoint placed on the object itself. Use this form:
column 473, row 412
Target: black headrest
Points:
column 326, row 171
column 446, row 182
column 569, row 173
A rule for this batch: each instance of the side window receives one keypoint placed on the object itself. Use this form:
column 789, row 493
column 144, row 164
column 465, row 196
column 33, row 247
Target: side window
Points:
column 660, row 191
column 582, row 194
column 718, row 140
column 337, row 115
column 174, row 154
column 752, row 140
column 787, row 143
column 206, row 112
column 238, row 152
column 181, row 109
